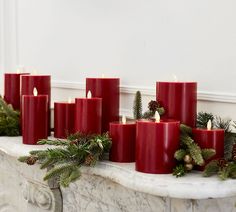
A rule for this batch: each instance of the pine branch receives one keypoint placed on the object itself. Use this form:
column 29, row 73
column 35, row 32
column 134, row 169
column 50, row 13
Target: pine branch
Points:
column 179, row 170
column 220, row 123
column 208, row 153
column 185, row 130
column 203, row 118
column 211, row 168
column 137, row 108
column 53, row 142
column 179, row 154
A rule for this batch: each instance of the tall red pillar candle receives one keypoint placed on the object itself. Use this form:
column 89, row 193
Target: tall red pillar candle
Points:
column 179, row 100
column 12, row 89
column 64, row 116
column 210, row 138
column 123, row 135
column 43, row 85
column 108, row 90
column 34, row 118
column 88, row 115
column 156, row 144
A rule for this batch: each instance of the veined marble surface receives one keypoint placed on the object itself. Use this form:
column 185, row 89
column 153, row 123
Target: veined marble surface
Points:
column 191, row 186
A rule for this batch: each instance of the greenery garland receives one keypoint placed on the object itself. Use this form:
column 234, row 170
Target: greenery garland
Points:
column 64, row 161
column 9, row 120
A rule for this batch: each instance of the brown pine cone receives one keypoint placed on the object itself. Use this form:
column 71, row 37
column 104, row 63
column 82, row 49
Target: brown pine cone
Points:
column 88, row 160
column 153, row 105
column 222, row 163
column 31, row 160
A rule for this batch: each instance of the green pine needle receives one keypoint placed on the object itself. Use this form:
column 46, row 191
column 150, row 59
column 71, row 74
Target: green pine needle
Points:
column 137, row 108
column 203, row 118
column 179, row 170
column 211, row 168
column 208, row 153
column 179, row 154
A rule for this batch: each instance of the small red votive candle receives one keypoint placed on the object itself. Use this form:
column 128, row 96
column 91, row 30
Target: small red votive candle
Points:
column 179, row 100
column 210, row 138
column 12, row 89
column 34, row 118
column 123, row 135
column 156, row 143
column 64, row 116
column 88, row 115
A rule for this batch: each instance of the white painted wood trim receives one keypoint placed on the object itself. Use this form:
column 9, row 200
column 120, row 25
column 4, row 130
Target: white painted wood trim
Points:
column 150, row 91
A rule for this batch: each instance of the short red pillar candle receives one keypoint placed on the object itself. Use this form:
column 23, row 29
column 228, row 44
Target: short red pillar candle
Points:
column 88, row 115
column 123, row 135
column 34, row 118
column 64, row 116
column 12, row 89
column 179, row 100
column 108, row 90
column 210, row 138
column 156, row 143
column 43, row 85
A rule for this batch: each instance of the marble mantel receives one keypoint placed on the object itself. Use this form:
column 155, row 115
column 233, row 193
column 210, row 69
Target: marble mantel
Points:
column 106, row 187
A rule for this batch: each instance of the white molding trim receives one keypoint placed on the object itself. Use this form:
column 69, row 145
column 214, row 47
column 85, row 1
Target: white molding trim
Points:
column 148, row 91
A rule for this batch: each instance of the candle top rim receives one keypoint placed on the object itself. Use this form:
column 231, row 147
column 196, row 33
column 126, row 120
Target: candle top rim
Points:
column 205, row 129
column 92, row 98
column 179, row 82
column 105, row 78
column 162, row 121
column 64, row 102
column 22, row 73
column 121, row 123
column 32, row 95
column 38, row 75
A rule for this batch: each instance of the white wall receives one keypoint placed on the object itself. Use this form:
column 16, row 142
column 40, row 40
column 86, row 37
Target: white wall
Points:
column 140, row 41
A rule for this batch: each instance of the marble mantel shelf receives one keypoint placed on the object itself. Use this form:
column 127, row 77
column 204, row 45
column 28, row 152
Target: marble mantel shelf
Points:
column 192, row 186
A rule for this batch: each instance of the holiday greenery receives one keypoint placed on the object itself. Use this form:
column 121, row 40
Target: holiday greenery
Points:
column 137, row 108
column 153, row 106
column 64, row 161
column 9, row 120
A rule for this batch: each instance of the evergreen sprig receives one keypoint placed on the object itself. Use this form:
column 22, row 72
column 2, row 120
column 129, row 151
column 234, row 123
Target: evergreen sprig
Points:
column 203, row 118
column 64, row 161
column 137, row 108
column 9, row 120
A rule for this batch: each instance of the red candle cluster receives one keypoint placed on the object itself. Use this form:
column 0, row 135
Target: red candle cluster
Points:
column 64, row 115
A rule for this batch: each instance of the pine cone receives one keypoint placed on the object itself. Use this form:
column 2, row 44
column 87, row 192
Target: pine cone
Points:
column 222, row 163
column 89, row 160
column 153, row 105
column 31, row 160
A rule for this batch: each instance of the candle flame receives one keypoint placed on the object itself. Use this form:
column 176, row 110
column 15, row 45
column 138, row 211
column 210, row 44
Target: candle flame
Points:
column 103, row 75
column 157, row 117
column 123, row 119
column 35, row 92
column 175, row 78
column 209, row 125
column 69, row 100
column 34, row 72
column 89, row 95
column 18, row 71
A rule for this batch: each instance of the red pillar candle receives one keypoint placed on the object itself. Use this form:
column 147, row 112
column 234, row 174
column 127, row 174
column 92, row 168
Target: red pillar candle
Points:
column 43, row 85
column 156, row 143
column 34, row 118
column 12, row 89
column 123, row 136
column 64, row 116
column 108, row 90
column 88, row 115
column 210, row 138
column 179, row 100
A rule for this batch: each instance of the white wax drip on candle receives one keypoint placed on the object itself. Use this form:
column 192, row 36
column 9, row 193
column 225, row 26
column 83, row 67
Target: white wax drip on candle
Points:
column 157, row 117
column 35, row 92
column 123, row 120
column 89, row 95
column 209, row 125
